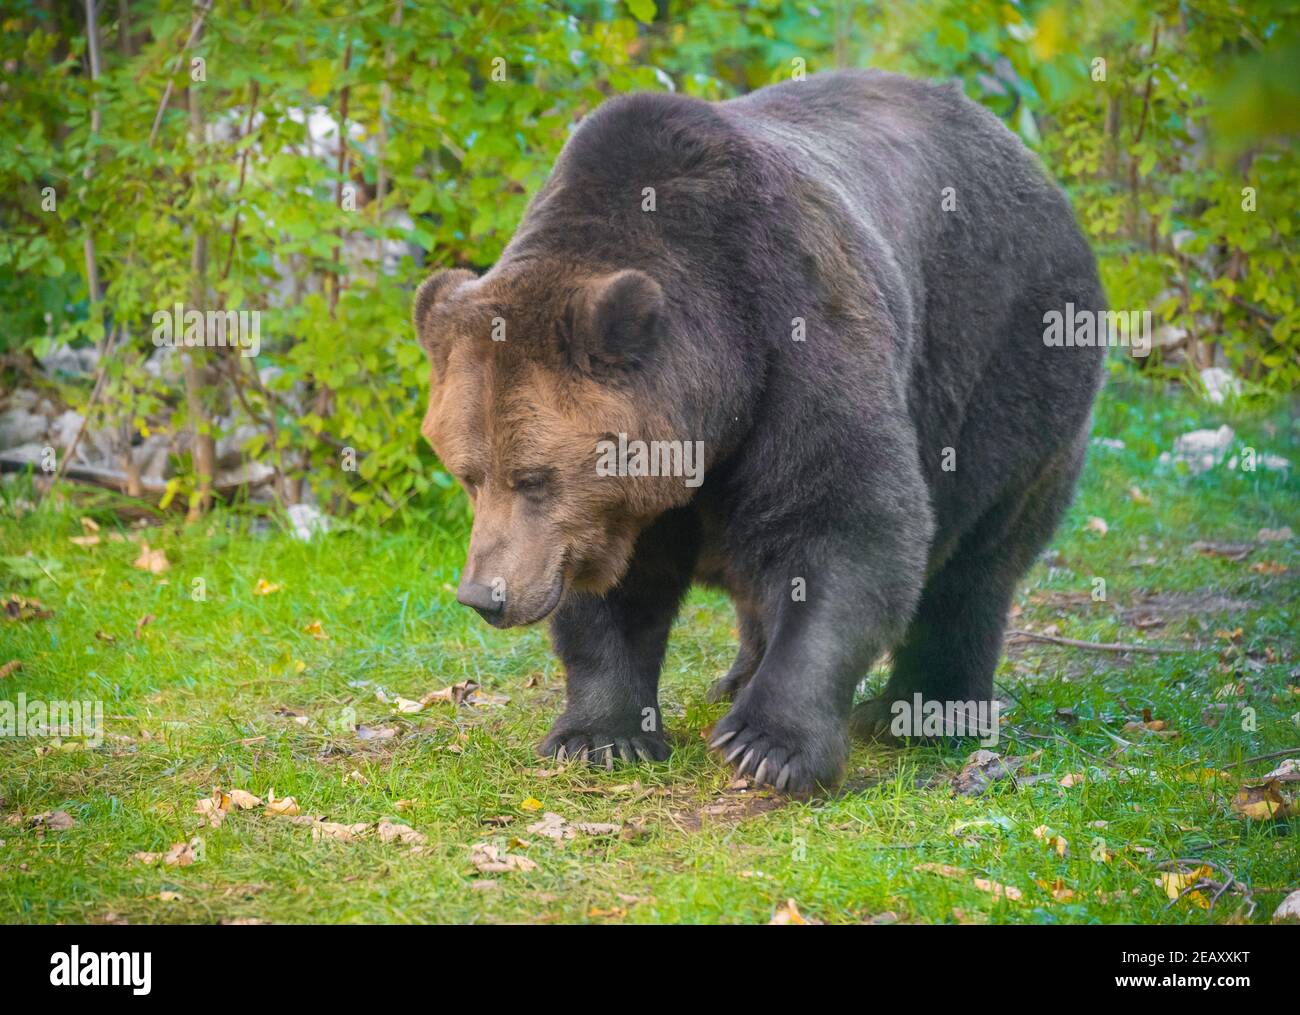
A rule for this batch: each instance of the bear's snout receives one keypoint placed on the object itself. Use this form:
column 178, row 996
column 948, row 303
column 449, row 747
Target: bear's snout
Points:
column 479, row 597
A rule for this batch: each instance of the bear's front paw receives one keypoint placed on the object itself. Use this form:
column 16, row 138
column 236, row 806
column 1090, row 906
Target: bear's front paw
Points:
column 790, row 761
column 600, row 747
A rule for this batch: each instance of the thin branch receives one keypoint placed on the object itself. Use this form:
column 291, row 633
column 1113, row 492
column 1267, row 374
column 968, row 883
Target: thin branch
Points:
column 195, row 25
column 1097, row 646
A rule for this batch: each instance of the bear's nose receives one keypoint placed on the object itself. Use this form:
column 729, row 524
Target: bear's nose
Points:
column 479, row 596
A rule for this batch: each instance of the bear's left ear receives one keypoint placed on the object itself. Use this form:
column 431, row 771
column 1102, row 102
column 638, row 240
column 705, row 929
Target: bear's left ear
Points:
column 615, row 321
column 433, row 290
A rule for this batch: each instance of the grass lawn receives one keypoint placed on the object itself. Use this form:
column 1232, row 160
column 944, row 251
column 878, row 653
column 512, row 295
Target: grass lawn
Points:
column 296, row 691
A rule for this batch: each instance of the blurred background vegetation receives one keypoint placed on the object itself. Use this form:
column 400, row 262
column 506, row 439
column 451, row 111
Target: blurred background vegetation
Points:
column 314, row 159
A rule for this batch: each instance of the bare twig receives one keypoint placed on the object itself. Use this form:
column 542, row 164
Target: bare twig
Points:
column 201, row 12
column 1097, row 646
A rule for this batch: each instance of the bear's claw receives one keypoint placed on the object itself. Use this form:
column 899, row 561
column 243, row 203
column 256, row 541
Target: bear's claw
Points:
column 601, row 750
column 765, row 757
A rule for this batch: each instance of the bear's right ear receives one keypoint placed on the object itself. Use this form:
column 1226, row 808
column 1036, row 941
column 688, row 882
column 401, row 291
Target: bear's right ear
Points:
column 434, row 290
column 614, row 322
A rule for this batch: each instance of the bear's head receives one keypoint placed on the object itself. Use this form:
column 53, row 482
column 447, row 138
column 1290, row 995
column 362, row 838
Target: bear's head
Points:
column 533, row 366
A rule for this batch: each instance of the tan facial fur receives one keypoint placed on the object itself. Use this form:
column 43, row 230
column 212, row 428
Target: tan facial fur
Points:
column 520, row 434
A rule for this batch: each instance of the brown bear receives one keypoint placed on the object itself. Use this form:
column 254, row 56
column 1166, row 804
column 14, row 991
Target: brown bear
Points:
column 791, row 345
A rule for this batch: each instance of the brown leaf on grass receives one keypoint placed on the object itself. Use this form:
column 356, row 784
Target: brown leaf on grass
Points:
column 286, row 806
column 316, row 631
column 89, row 525
column 1264, row 802
column 339, row 832
column 19, row 608
column 981, row 770
column 467, row 692
column 53, row 821
column 1072, row 779
column 1097, row 525
column 983, row 884
column 1177, row 883
column 1274, row 535
column 490, row 859
column 1057, row 890
column 1153, row 728
column 153, row 561
column 1049, row 838
column 1267, row 567
column 392, row 831
column 553, row 826
column 787, row 914
column 215, row 807
column 142, row 623
column 104, row 636
column 181, row 854
column 84, row 540
column 265, row 588
column 10, row 668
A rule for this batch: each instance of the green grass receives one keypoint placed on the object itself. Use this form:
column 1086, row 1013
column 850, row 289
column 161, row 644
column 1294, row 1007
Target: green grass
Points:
column 192, row 703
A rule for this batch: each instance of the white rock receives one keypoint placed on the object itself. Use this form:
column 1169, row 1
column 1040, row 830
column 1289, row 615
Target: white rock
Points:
column 1201, row 450
column 1289, row 909
column 307, row 521
column 1220, row 384
column 19, row 426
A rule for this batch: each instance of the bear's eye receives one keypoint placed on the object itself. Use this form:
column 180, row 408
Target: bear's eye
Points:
column 532, row 481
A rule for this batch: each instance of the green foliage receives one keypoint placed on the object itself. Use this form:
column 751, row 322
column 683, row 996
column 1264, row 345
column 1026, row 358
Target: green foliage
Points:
column 454, row 113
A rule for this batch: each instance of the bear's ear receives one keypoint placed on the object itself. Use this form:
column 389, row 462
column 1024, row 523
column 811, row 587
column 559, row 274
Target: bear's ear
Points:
column 614, row 321
column 433, row 290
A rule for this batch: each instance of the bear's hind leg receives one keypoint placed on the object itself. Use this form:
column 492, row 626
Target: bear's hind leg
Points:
column 753, row 643
column 953, row 644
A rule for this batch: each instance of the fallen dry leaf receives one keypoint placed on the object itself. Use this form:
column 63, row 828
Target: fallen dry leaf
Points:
column 20, row 608
column 553, row 826
column 142, row 623
column 787, row 914
column 981, row 770
column 489, row 859
column 265, row 588
column 54, row 821
column 1097, row 525
column 1175, row 884
column 1263, row 802
column 337, row 831
column 1052, row 840
column 153, row 561
column 286, row 806
column 1274, row 535
column 10, row 668
column 392, row 831
column 983, row 884
column 316, row 631
column 181, row 854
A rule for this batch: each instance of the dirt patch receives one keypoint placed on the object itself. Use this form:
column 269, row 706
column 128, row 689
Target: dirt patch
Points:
column 732, row 806
column 1165, row 607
